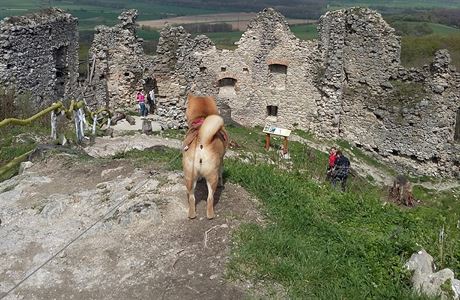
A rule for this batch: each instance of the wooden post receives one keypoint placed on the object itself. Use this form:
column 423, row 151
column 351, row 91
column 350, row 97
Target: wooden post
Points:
column 285, row 148
column 267, row 141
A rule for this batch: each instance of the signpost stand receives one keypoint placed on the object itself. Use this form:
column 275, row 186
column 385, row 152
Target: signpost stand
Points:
column 272, row 129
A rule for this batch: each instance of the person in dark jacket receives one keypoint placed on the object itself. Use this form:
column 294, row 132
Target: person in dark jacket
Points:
column 341, row 170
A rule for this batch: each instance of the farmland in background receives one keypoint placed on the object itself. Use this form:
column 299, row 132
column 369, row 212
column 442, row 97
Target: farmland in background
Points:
column 424, row 25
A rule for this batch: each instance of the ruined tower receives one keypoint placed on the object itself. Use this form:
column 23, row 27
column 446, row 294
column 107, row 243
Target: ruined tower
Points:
column 39, row 55
column 117, row 65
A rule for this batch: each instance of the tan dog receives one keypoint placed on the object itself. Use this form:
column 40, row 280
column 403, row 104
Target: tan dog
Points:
column 204, row 149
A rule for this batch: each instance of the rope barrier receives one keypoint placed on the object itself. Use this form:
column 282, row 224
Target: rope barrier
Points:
column 77, row 109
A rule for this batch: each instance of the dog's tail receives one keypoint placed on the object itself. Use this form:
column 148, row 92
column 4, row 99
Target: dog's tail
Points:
column 211, row 125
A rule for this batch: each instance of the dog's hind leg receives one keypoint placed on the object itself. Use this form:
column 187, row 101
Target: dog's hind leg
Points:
column 211, row 182
column 191, row 184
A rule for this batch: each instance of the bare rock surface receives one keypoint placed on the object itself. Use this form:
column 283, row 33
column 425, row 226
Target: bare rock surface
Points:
column 127, row 233
column 107, row 146
column 123, row 125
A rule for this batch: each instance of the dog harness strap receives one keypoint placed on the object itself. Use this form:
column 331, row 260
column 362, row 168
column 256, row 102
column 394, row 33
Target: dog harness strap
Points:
column 197, row 123
column 192, row 133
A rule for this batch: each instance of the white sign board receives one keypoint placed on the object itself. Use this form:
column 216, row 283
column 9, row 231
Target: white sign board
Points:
column 272, row 129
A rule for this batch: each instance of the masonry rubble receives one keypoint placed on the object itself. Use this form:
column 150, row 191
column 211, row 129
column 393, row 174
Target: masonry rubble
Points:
column 117, row 65
column 39, row 55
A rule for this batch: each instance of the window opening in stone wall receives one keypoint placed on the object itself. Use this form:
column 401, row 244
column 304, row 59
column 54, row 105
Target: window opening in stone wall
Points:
column 223, row 69
column 245, row 70
column 62, row 72
column 272, row 110
column 202, row 69
column 277, row 76
column 227, row 88
column 457, row 127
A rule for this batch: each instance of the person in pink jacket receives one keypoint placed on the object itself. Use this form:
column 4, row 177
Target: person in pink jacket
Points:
column 141, row 101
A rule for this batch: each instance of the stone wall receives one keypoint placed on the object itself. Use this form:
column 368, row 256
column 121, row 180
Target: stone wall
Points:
column 118, row 65
column 405, row 116
column 269, row 68
column 39, row 55
column 349, row 84
column 411, row 124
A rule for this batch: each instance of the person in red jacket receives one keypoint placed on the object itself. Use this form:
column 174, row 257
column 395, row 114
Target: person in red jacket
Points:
column 332, row 159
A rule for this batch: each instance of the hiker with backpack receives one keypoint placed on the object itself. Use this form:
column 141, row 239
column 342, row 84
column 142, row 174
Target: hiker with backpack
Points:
column 341, row 170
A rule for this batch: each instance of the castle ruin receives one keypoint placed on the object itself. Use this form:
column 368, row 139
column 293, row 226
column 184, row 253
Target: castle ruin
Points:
column 348, row 84
column 117, row 65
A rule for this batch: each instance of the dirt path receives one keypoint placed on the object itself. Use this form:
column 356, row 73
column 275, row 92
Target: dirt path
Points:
column 144, row 249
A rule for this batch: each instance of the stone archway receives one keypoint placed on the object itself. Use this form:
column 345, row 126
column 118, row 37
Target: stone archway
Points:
column 227, row 88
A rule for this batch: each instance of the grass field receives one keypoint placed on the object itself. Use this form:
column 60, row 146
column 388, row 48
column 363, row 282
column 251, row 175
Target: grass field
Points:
column 417, row 51
column 322, row 244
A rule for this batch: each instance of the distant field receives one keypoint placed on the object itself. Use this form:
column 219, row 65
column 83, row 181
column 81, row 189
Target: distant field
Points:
column 305, row 32
column 418, row 46
column 101, row 12
column 427, row 4
column 238, row 21
column 226, row 40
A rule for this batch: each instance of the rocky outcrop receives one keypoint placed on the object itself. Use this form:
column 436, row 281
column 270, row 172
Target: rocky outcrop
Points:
column 118, row 65
column 39, row 55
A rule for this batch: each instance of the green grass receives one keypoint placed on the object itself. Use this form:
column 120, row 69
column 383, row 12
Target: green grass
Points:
column 224, row 40
column 11, row 147
column 320, row 243
column 417, row 51
column 172, row 157
column 323, row 244
column 305, row 32
column 103, row 12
